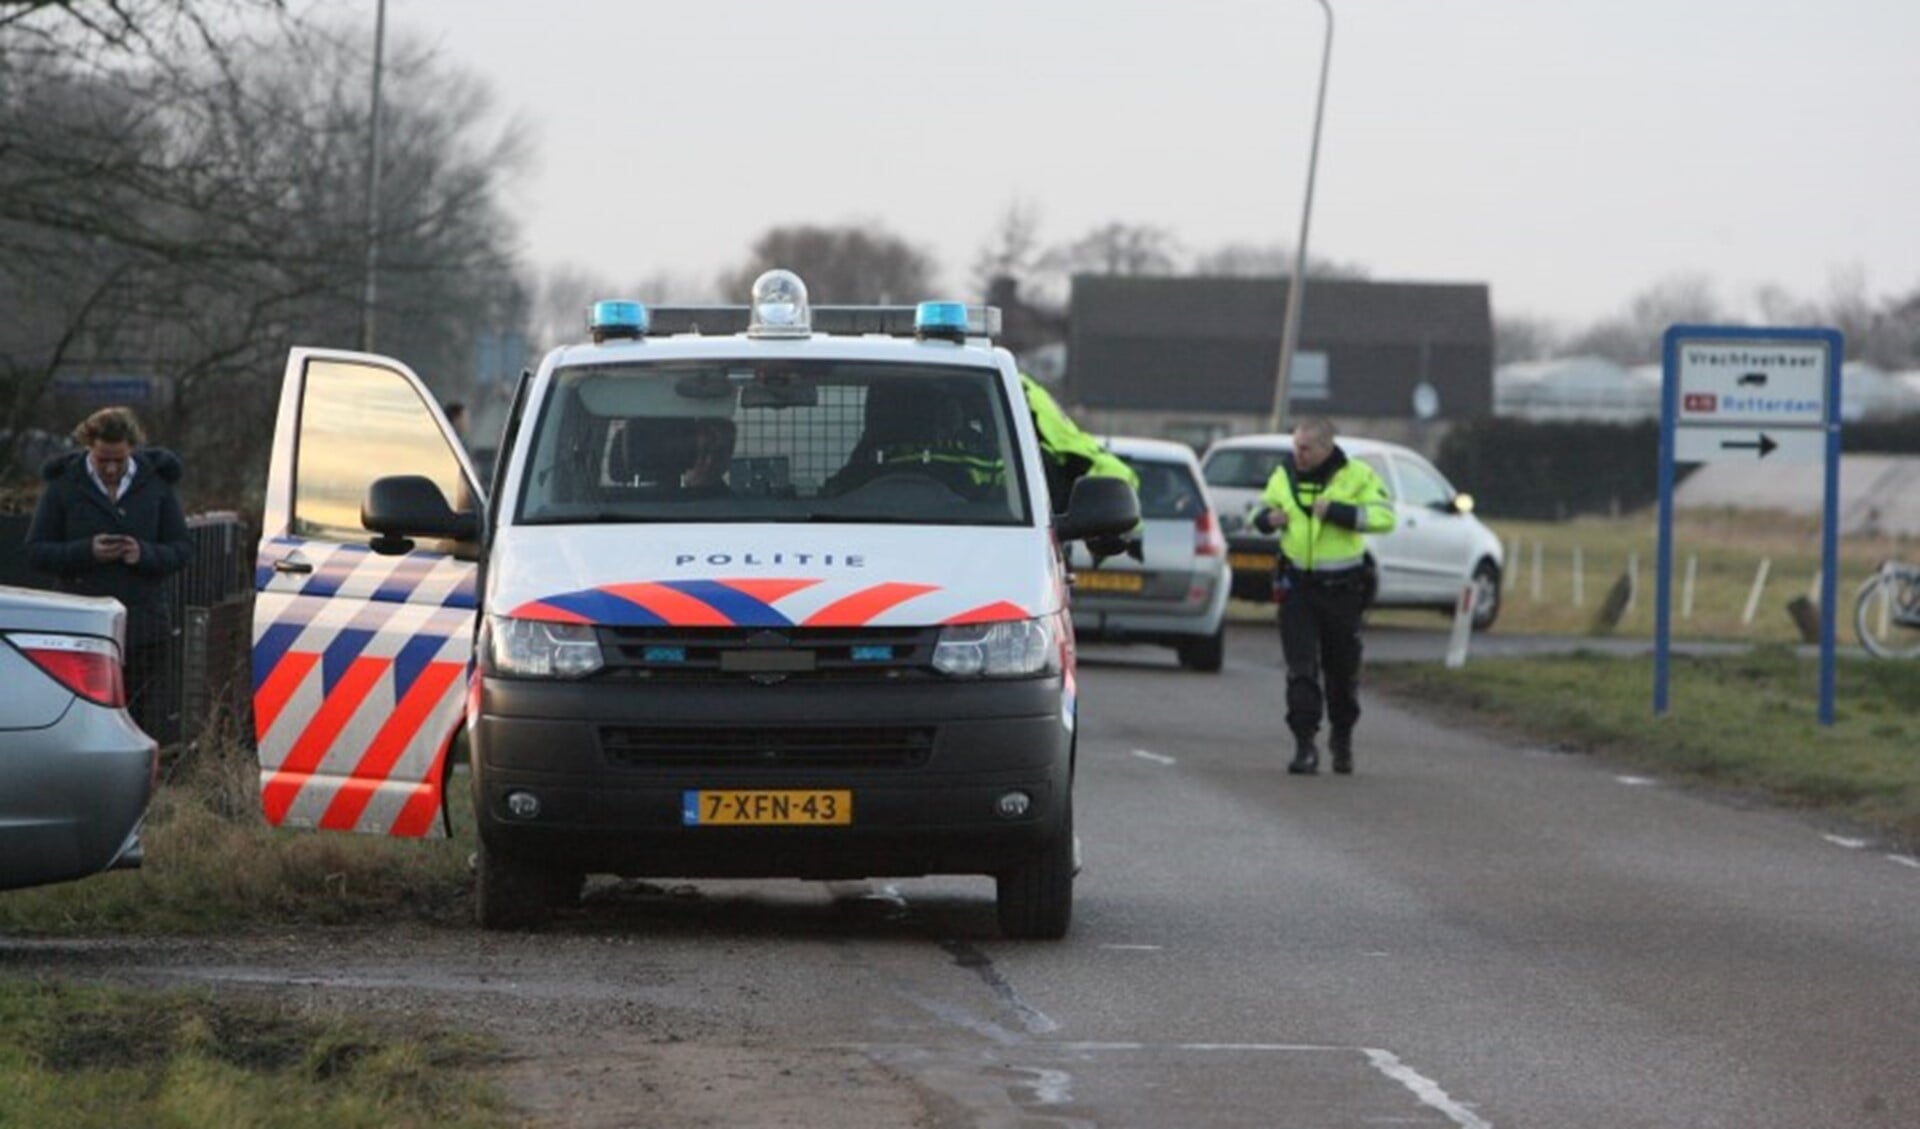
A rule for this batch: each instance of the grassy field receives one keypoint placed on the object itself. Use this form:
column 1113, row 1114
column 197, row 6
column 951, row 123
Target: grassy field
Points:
column 1744, row 722
column 1727, row 548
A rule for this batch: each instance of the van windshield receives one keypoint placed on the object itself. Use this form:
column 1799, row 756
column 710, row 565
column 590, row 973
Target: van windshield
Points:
column 730, row 441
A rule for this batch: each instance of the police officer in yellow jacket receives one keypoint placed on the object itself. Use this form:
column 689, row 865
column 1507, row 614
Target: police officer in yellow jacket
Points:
column 1323, row 504
column 1070, row 452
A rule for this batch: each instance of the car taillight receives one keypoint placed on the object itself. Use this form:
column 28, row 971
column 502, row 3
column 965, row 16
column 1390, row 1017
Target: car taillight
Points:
column 87, row 666
column 1207, row 539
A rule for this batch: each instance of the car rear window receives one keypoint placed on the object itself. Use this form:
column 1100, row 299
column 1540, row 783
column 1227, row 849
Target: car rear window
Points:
column 1167, row 490
column 1246, row 467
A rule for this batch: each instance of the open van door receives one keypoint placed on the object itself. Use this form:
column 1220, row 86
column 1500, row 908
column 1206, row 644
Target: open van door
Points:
column 361, row 657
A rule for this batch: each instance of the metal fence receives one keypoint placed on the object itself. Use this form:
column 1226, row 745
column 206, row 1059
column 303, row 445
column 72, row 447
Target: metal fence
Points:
column 204, row 678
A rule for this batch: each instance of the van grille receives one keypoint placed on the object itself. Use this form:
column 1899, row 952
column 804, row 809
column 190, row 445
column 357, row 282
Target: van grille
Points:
column 768, row 655
column 783, row 747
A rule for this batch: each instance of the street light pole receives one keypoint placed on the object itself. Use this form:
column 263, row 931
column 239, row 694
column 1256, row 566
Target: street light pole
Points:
column 373, row 184
column 1290, row 336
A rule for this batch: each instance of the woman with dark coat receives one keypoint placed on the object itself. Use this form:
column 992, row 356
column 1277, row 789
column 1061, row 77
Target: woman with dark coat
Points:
column 110, row 524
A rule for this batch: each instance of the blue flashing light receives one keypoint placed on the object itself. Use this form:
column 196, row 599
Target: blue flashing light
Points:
column 665, row 655
column 946, row 320
column 616, row 317
column 875, row 653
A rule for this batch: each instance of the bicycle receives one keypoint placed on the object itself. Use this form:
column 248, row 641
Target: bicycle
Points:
column 1886, row 612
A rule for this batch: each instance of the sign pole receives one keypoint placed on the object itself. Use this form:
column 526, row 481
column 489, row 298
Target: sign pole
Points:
column 1663, row 565
column 1830, row 527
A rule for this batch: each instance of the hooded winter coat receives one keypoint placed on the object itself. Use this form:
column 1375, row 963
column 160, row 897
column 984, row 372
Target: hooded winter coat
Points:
column 73, row 509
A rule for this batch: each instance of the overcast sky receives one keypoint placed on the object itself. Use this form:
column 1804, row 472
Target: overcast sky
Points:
column 1570, row 153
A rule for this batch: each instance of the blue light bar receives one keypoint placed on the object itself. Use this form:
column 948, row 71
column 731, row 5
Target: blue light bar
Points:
column 615, row 317
column 947, row 320
column 664, row 655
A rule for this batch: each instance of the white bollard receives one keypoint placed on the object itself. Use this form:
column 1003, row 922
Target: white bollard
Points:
column 1513, row 566
column 1633, row 579
column 1686, row 588
column 1535, row 590
column 1759, row 586
column 1579, row 577
column 1462, row 629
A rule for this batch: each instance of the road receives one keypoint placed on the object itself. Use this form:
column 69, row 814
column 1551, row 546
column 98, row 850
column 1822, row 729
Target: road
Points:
column 1467, row 933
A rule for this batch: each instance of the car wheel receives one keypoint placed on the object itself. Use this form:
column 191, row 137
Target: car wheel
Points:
column 1205, row 655
column 510, row 893
column 1035, row 898
column 1486, row 594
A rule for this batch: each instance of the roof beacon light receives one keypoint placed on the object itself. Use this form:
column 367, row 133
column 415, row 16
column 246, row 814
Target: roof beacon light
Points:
column 780, row 306
column 614, row 317
column 946, row 321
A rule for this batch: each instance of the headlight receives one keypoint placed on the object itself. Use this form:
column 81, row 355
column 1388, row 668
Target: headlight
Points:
column 528, row 648
column 999, row 650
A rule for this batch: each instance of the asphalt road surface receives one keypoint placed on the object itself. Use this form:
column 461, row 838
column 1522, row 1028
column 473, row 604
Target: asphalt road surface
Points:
column 1466, row 933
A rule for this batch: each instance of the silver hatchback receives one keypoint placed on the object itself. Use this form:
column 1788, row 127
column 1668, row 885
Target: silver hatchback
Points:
column 1176, row 594
column 75, row 772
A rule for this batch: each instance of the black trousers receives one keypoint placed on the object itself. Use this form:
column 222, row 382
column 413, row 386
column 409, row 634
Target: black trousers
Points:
column 1320, row 638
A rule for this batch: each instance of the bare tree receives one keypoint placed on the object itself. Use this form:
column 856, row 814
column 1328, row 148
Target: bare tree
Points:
column 1269, row 260
column 1524, row 339
column 1634, row 337
column 1117, row 248
column 195, row 219
column 1012, row 250
column 846, row 265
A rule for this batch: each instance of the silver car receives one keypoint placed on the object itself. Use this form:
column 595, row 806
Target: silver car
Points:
column 1437, row 549
column 1176, row 594
column 75, row 771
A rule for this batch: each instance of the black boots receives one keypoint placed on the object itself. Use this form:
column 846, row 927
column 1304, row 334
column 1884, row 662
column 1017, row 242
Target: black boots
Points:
column 1341, row 746
column 1306, row 756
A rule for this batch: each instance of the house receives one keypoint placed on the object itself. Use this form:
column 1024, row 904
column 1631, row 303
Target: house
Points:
column 1194, row 358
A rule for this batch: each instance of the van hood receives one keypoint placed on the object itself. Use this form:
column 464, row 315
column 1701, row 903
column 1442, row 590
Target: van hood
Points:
column 773, row 575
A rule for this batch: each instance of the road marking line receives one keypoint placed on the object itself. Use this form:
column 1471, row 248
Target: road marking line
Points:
column 1841, row 841
column 1424, row 1088
column 1635, row 781
column 1905, row 860
column 1133, row 948
column 1157, row 758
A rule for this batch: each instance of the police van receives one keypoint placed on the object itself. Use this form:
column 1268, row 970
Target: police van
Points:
column 761, row 591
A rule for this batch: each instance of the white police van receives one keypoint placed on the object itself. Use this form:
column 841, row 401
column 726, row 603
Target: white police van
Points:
column 764, row 591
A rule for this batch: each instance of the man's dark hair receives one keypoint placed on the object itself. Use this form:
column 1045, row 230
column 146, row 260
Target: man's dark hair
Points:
column 110, row 425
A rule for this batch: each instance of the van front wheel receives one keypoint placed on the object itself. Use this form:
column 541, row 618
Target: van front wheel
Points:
column 509, row 893
column 1035, row 898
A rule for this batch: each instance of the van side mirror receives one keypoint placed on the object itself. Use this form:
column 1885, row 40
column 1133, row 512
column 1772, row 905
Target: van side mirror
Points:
column 401, row 506
column 1099, row 506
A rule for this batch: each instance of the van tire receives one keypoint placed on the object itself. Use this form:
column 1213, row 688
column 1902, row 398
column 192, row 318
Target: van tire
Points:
column 1035, row 898
column 1206, row 654
column 509, row 893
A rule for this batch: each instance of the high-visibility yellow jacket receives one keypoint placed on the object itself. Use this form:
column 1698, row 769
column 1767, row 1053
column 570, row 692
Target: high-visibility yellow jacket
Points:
column 1070, row 451
column 1358, row 505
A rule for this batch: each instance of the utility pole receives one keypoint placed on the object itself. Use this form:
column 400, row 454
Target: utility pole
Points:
column 372, row 291
column 1297, row 285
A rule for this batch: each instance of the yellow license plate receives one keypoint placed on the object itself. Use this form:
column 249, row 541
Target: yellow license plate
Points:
column 1109, row 581
column 1251, row 562
column 766, row 808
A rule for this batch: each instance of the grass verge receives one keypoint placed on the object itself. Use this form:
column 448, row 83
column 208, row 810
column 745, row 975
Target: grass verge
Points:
column 82, row 1056
column 1746, row 722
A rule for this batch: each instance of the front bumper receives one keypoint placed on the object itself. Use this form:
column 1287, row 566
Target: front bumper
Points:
column 925, row 762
